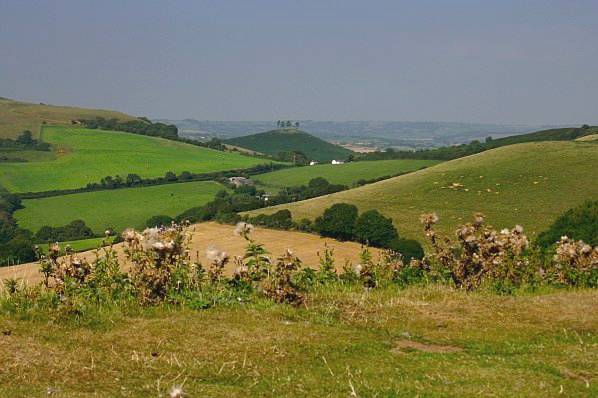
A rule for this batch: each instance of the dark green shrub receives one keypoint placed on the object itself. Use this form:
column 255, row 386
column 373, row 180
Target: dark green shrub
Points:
column 409, row 248
column 282, row 219
column 157, row 221
column 578, row 223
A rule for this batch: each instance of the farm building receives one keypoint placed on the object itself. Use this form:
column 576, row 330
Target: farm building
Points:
column 240, row 181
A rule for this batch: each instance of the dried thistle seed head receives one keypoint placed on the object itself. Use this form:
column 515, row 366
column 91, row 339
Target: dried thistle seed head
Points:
column 478, row 219
column 357, row 268
column 429, row 219
column 518, row 229
column 55, row 248
column 159, row 246
column 176, row 392
column 216, row 256
column 243, row 229
column 129, row 234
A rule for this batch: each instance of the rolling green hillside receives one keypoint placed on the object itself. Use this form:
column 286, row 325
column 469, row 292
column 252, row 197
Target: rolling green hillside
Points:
column 88, row 155
column 16, row 116
column 346, row 174
column 528, row 184
column 560, row 134
column 285, row 140
column 459, row 151
column 118, row 208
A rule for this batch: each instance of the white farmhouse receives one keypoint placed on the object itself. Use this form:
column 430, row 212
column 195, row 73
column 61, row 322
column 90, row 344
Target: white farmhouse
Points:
column 337, row 162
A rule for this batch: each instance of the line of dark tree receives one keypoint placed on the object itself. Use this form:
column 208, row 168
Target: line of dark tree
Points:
column 343, row 222
column 24, row 141
column 74, row 230
column 16, row 244
column 134, row 180
column 141, row 126
column 286, row 124
column 475, row 146
column 12, row 160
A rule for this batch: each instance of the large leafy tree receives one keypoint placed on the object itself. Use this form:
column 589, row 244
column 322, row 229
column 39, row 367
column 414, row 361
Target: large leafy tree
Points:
column 338, row 221
column 374, row 229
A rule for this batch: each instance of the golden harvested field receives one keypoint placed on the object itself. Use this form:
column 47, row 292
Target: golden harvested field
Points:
column 305, row 246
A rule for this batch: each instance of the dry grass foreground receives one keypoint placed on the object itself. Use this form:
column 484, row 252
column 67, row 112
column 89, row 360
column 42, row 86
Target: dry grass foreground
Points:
column 305, row 246
column 419, row 342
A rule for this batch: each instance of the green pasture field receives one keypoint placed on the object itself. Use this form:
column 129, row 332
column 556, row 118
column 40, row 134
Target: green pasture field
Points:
column 346, row 174
column 86, row 156
column 118, row 208
column 30, row 156
column 81, row 244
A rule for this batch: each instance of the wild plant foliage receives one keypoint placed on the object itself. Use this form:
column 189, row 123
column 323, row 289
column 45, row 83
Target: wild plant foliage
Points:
column 157, row 269
column 575, row 263
column 481, row 254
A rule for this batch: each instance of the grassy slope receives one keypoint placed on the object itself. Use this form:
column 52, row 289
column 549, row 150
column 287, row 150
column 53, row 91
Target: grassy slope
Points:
column 530, row 184
column 88, row 155
column 560, row 134
column 345, row 174
column 276, row 141
column 81, row 244
column 119, row 209
column 16, row 116
column 342, row 344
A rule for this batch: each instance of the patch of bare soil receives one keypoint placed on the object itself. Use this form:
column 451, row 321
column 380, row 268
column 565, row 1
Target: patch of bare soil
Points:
column 408, row 345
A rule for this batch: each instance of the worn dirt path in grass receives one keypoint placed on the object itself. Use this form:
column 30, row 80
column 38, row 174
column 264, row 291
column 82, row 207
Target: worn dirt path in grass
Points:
column 305, row 246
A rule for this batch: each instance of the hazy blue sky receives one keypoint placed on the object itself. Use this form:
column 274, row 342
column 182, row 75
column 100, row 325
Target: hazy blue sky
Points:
column 483, row 61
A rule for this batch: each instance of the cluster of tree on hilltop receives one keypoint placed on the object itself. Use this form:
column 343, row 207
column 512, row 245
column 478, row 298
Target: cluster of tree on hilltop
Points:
column 287, row 124
column 141, row 126
column 24, row 141
column 291, row 146
column 475, row 146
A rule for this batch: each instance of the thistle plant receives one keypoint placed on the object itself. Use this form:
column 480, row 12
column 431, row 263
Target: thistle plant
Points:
column 255, row 262
column 218, row 259
column 327, row 271
column 280, row 284
column 160, row 261
column 480, row 253
column 575, row 263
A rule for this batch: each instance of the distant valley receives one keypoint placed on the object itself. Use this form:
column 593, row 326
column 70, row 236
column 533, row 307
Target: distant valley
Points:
column 372, row 134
